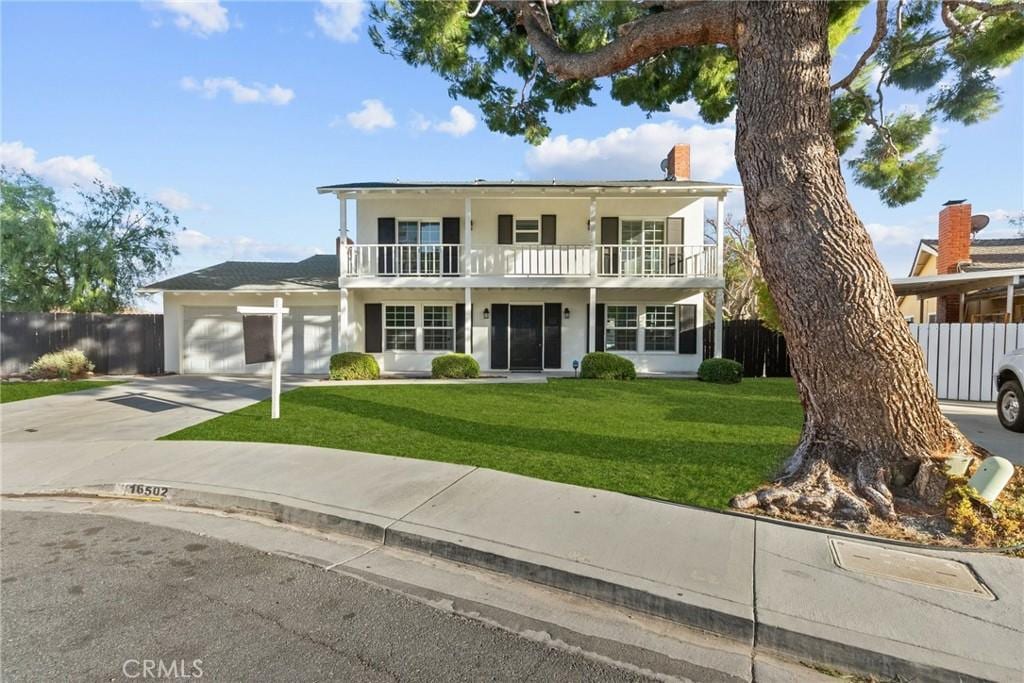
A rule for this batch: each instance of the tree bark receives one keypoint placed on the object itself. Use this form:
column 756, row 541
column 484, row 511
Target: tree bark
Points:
column 873, row 427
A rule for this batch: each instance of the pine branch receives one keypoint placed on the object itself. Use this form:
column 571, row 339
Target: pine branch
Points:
column 881, row 29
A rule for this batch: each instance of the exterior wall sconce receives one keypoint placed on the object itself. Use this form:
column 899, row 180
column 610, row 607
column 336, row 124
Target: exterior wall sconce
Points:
column 487, row 314
column 566, row 313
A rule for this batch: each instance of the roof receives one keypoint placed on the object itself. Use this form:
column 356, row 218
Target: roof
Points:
column 660, row 186
column 314, row 273
column 990, row 254
column 934, row 285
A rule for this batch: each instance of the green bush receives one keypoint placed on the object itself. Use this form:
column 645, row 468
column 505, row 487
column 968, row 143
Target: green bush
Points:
column 454, row 366
column 65, row 364
column 720, row 371
column 602, row 365
column 354, row 365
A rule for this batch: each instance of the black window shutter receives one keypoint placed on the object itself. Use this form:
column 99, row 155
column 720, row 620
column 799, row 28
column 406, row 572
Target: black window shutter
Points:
column 450, row 255
column 460, row 328
column 547, row 229
column 609, row 235
column 499, row 336
column 552, row 336
column 373, row 328
column 505, row 228
column 386, row 235
column 687, row 328
column 599, row 329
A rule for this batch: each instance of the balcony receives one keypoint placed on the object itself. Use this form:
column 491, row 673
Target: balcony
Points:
column 525, row 261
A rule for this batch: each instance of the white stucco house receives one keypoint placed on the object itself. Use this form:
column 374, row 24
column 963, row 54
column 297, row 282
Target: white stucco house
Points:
column 524, row 275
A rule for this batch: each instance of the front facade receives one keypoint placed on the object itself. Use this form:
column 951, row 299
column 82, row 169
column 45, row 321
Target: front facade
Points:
column 525, row 276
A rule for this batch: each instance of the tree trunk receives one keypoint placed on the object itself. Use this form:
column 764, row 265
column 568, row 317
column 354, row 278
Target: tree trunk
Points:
column 873, row 426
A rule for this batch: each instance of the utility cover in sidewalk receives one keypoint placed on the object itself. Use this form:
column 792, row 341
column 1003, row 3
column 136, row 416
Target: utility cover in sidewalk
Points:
column 902, row 566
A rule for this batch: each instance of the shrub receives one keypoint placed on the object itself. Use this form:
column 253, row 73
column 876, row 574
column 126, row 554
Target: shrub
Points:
column 65, row 364
column 720, row 371
column 602, row 365
column 455, row 366
column 354, row 365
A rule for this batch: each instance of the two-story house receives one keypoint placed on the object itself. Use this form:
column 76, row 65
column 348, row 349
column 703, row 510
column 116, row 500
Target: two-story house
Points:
column 524, row 275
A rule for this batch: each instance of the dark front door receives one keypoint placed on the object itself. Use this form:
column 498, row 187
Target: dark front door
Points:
column 526, row 340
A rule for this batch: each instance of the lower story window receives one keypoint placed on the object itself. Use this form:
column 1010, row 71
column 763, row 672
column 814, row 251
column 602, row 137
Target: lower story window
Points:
column 400, row 328
column 660, row 328
column 438, row 328
column 620, row 328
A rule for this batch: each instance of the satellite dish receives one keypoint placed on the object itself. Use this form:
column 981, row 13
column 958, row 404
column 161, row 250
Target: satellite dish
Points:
column 978, row 222
column 664, row 165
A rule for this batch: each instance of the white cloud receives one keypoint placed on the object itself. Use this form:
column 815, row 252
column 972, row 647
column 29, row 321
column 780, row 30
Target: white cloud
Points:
column 340, row 19
column 685, row 110
column 1000, row 215
column 257, row 93
column 199, row 17
column 1002, row 72
column 175, row 200
column 420, row 122
column 60, row 171
column 239, row 247
column 460, row 122
column 373, row 115
column 634, row 152
column 893, row 234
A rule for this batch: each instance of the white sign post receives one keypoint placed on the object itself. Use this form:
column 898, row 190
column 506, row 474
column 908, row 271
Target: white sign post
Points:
column 277, row 311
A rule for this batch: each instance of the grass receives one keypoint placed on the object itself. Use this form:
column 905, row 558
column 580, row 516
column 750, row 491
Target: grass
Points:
column 21, row 391
column 678, row 440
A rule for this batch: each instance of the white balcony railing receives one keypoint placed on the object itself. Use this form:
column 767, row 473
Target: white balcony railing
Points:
column 519, row 260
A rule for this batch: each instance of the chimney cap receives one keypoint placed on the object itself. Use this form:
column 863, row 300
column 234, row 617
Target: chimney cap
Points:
column 954, row 202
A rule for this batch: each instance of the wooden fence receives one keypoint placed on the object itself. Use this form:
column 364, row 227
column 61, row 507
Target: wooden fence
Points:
column 962, row 357
column 116, row 344
column 761, row 351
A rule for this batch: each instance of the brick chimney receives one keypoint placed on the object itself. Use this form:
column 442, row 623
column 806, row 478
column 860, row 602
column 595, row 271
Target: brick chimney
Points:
column 954, row 249
column 679, row 162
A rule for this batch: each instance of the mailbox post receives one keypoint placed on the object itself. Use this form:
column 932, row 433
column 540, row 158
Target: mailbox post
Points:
column 277, row 312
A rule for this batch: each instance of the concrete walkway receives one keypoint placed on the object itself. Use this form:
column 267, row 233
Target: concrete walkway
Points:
column 772, row 588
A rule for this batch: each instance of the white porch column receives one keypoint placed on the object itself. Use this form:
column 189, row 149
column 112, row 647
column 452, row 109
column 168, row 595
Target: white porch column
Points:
column 342, row 236
column 1009, row 303
column 467, row 246
column 344, row 336
column 592, row 338
column 720, row 237
column 468, row 332
column 592, row 222
column 719, row 302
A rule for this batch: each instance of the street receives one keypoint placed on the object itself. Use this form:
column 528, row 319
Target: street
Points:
column 106, row 599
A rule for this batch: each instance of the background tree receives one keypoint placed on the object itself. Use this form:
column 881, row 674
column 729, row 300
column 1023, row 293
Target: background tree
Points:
column 741, row 270
column 873, row 427
column 90, row 258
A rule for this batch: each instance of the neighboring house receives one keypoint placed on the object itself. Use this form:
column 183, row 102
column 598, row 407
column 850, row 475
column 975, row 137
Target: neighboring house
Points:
column 525, row 276
column 960, row 277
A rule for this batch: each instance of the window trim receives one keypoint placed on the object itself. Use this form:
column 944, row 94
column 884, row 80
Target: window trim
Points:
column 643, row 241
column 641, row 327
column 515, row 230
column 386, row 327
column 423, row 326
column 636, row 328
column 419, row 230
column 674, row 328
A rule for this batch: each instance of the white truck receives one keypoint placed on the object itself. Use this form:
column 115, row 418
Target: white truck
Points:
column 1009, row 379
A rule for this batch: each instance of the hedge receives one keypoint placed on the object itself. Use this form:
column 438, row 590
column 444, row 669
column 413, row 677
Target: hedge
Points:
column 454, row 366
column 354, row 365
column 602, row 365
column 63, row 364
column 720, row 371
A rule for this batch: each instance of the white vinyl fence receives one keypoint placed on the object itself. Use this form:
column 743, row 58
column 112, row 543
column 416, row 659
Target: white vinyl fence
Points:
column 961, row 357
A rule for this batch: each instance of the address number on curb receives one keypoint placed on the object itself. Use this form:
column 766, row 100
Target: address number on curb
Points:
column 145, row 490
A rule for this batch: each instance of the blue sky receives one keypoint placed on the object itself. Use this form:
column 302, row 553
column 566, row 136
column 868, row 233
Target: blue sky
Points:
column 232, row 113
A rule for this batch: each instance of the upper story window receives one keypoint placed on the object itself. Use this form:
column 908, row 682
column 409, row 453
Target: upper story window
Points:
column 527, row 231
column 641, row 239
column 419, row 245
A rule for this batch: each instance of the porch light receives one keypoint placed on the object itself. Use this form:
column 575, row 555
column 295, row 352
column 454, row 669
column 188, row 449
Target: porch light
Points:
column 566, row 313
column 487, row 314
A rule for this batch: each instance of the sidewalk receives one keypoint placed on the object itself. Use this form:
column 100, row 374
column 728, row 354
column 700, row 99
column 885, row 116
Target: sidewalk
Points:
column 772, row 587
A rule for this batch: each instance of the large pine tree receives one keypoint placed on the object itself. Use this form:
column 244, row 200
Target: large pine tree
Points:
column 873, row 428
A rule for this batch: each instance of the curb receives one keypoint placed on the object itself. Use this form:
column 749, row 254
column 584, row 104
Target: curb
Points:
column 774, row 640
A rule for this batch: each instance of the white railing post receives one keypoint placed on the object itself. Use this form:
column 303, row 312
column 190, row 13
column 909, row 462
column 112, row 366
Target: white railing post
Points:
column 342, row 236
column 468, row 241
column 592, row 222
column 720, row 236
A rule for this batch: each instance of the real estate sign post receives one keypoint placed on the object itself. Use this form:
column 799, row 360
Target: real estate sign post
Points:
column 252, row 337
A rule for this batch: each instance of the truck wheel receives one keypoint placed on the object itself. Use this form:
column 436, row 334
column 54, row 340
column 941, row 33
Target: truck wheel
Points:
column 1010, row 406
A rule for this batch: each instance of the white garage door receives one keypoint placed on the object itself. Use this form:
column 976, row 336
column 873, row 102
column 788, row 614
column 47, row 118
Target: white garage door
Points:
column 212, row 341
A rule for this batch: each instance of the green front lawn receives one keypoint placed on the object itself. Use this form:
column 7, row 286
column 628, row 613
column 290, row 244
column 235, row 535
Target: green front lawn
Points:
column 19, row 391
column 679, row 440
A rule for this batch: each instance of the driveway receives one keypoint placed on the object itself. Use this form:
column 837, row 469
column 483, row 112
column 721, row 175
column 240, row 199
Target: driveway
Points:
column 140, row 409
column 979, row 423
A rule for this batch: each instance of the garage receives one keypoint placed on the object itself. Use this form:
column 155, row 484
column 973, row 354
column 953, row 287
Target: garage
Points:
column 212, row 341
